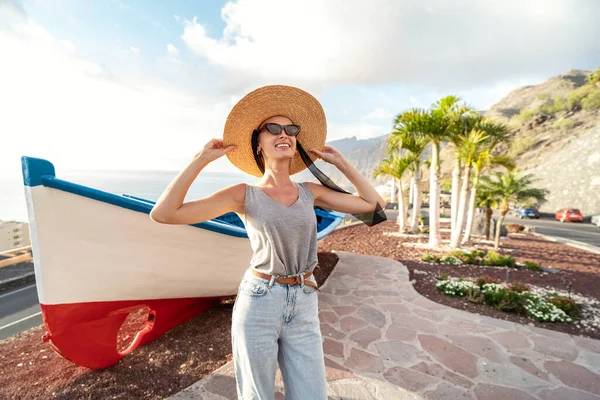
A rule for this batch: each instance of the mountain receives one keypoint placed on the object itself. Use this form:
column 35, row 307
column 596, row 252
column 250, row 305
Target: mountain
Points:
column 556, row 127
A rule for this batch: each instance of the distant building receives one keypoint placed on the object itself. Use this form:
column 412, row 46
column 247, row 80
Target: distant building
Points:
column 14, row 235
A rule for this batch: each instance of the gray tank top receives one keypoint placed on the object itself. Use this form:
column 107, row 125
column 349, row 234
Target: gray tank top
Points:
column 283, row 239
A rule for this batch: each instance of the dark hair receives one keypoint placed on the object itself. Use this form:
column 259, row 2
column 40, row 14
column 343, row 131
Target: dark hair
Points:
column 257, row 157
column 370, row 219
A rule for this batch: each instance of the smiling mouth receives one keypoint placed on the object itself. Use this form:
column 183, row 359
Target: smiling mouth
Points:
column 284, row 146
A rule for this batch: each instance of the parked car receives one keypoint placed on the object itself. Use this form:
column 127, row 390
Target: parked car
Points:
column 569, row 214
column 596, row 220
column 527, row 212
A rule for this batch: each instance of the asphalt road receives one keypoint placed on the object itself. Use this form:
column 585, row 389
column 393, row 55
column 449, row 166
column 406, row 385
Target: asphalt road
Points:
column 579, row 231
column 583, row 232
column 19, row 311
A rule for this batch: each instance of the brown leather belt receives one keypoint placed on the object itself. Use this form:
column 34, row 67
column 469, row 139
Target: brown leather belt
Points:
column 290, row 280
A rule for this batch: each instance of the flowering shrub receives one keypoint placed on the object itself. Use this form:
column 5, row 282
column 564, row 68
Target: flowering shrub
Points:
column 515, row 298
column 456, row 287
column 543, row 311
column 450, row 260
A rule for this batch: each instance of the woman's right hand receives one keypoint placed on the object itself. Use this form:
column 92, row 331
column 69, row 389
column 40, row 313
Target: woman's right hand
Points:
column 213, row 150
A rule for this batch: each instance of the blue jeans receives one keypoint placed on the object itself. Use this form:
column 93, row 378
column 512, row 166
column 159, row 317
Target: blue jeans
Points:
column 277, row 323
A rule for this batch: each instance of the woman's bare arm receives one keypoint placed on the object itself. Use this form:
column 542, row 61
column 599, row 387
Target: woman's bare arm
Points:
column 170, row 209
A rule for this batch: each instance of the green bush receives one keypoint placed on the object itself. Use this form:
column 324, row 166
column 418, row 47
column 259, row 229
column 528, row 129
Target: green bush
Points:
column 591, row 102
column 431, row 258
column 567, row 305
column 525, row 114
column 564, row 123
column 594, row 77
column 427, row 257
column 560, row 104
column 478, row 253
column 503, row 299
column 521, row 145
column 464, row 257
column 576, row 96
column 531, row 266
column 497, row 260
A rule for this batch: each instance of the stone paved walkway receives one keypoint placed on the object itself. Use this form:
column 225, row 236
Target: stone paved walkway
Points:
column 383, row 340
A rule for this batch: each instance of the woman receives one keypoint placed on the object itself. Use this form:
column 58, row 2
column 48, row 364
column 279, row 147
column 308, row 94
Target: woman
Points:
column 275, row 316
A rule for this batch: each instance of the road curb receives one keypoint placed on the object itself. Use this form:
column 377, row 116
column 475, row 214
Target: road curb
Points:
column 17, row 283
column 569, row 242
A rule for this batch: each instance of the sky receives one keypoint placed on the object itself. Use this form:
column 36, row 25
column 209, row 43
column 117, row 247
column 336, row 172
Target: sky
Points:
column 144, row 85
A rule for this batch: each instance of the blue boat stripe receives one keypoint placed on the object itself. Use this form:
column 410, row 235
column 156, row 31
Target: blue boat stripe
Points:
column 38, row 172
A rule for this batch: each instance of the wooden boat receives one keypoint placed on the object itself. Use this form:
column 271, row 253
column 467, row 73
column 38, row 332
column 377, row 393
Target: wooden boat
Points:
column 99, row 257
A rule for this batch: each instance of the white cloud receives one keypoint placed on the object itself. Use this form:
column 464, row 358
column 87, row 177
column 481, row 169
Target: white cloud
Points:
column 172, row 49
column 134, row 50
column 379, row 114
column 448, row 44
column 61, row 106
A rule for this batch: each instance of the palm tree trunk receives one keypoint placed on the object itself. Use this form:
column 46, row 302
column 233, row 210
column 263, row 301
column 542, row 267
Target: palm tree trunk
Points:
column 498, row 229
column 401, row 208
column 416, row 211
column 462, row 206
column 488, row 220
column 434, row 198
column 471, row 212
column 454, row 198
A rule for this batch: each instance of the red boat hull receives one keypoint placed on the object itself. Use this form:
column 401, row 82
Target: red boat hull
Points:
column 87, row 333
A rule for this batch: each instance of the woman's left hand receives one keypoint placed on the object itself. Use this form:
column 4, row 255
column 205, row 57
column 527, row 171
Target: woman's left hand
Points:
column 329, row 154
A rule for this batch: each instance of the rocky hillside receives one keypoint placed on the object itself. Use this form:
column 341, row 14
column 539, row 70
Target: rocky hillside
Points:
column 556, row 127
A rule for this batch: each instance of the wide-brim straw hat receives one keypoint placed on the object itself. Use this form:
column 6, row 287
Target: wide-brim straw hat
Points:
column 299, row 106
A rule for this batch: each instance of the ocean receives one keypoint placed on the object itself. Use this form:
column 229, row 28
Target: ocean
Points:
column 146, row 184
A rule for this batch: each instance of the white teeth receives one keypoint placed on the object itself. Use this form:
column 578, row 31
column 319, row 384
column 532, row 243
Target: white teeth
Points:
column 283, row 145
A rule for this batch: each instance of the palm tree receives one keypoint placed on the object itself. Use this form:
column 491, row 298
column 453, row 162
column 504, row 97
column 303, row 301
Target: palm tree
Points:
column 434, row 126
column 507, row 189
column 396, row 166
column 486, row 160
column 456, row 138
column 487, row 201
column 415, row 146
column 496, row 133
column 470, row 147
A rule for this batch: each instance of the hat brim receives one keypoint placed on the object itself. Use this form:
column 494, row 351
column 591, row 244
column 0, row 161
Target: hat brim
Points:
column 299, row 106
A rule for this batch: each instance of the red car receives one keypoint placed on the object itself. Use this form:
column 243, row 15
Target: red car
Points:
column 569, row 214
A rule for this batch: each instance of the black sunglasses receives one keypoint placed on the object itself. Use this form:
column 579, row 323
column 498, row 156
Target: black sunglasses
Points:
column 275, row 129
